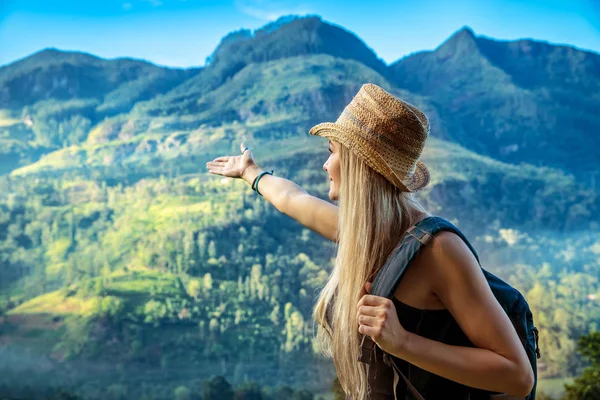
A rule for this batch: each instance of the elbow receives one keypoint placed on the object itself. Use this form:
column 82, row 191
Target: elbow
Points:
column 524, row 382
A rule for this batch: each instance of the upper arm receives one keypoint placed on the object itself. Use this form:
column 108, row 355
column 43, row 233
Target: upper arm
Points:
column 461, row 286
column 312, row 212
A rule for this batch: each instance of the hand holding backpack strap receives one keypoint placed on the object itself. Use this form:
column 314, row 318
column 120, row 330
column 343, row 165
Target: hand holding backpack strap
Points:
column 391, row 273
column 385, row 284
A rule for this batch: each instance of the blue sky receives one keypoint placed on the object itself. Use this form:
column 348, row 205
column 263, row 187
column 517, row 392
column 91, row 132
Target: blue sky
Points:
column 183, row 33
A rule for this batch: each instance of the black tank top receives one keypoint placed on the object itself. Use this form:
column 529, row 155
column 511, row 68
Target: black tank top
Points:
column 438, row 325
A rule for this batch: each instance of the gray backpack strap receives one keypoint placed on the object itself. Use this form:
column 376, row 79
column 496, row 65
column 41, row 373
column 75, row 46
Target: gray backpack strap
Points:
column 388, row 278
column 417, row 236
column 392, row 271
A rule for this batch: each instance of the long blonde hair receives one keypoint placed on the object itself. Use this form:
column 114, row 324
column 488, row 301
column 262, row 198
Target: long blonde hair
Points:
column 373, row 215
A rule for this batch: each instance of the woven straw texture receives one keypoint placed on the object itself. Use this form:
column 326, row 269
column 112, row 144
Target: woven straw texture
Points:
column 386, row 132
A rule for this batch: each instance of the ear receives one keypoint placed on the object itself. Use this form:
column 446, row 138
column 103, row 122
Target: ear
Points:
column 368, row 286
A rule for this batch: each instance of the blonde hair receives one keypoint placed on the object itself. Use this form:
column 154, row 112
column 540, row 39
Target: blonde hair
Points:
column 373, row 215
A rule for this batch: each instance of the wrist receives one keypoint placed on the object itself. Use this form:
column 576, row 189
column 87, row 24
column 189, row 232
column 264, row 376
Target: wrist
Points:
column 250, row 173
column 403, row 347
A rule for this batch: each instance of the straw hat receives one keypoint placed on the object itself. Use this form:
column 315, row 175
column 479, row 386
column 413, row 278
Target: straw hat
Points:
column 387, row 133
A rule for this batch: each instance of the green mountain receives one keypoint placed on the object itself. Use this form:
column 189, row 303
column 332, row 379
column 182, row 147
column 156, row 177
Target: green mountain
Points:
column 127, row 271
column 53, row 98
column 62, row 76
column 520, row 101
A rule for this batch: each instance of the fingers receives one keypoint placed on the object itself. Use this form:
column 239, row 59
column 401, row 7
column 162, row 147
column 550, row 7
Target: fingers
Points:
column 367, row 320
column 242, row 147
column 372, row 300
column 215, row 168
column 369, row 311
column 370, row 331
column 223, row 159
column 215, row 164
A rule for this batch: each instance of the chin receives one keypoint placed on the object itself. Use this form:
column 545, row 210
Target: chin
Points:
column 333, row 193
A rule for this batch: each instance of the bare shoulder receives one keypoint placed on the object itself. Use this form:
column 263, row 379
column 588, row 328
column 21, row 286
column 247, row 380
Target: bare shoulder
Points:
column 448, row 256
column 444, row 264
column 447, row 244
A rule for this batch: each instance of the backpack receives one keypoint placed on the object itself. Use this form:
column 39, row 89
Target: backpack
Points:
column 391, row 273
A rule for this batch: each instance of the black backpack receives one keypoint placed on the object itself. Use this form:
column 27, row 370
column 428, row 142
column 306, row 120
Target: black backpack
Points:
column 389, row 276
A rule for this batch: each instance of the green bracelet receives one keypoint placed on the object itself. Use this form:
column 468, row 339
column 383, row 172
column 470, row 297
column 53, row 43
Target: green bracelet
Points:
column 255, row 183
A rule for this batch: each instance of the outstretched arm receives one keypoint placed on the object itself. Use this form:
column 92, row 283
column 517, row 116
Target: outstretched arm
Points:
column 290, row 199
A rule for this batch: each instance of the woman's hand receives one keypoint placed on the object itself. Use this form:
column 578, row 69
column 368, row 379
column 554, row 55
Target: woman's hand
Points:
column 377, row 318
column 232, row 166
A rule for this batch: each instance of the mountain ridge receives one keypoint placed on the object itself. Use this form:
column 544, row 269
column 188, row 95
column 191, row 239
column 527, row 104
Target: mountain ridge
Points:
column 477, row 89
column 119, row 249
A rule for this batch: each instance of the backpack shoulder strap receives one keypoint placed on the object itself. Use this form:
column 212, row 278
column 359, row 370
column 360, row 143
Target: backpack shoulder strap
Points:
column 390, row 274
column 417, row 236
column 433, row 225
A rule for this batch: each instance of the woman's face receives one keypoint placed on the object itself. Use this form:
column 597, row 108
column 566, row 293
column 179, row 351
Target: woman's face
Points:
column 332, row 167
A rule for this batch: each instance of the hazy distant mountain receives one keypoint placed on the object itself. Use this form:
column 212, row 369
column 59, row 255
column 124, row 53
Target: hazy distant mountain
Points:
column 53, row 98
column 119, row 250
column 62, row 76
column 285, row 38
column 520, row 101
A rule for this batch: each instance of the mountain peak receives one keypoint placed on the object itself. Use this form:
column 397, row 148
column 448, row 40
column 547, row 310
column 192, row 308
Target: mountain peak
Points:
column 464, row 33
column 49, row 56
column 461, row 42
column 284, row 20
column 291, row 36
column 48, row 52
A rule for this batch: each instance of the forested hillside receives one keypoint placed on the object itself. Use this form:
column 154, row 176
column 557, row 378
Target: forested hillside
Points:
column 128, row 271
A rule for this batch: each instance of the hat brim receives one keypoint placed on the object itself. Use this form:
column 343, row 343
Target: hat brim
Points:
column 415, row 182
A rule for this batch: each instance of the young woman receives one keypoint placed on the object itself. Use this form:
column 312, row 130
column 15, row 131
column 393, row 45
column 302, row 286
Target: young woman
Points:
column 374, row 169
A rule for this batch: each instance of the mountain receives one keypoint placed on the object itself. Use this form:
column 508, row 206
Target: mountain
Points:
column 128, row 271
column 282, row 39
column 53, row 98
column 290, row 37
column 520, row 101
column 181, row 275
column 517, row 101
column 60, row 75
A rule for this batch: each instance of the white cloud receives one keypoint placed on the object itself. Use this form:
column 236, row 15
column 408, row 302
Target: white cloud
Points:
column 270, row 10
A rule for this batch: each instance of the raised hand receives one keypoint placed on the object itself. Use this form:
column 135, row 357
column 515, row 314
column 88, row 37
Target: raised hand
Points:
column 231, row 166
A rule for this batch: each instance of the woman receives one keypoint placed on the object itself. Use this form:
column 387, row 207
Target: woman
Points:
column 374, row 169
